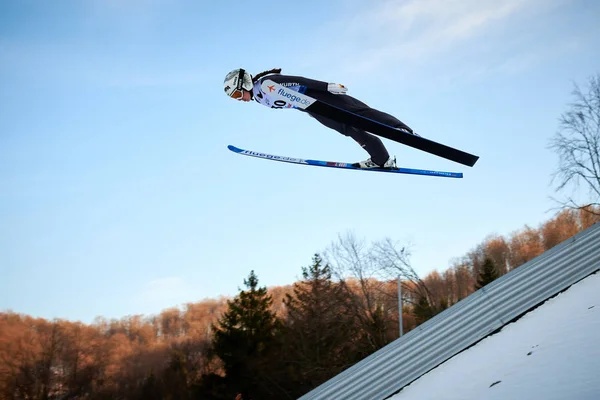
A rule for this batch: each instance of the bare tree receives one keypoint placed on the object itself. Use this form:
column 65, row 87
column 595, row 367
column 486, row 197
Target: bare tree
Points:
column 368, row 273
column 577, row 144
column 354, row 265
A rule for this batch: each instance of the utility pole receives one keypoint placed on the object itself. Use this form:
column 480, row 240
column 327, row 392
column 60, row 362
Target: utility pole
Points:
column 400, row 304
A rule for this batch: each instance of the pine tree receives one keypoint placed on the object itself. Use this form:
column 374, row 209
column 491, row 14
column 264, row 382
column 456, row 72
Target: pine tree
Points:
column 422, row 310
column 319, row 328
column 488, row 274
column 378, row 327
column 245, row 337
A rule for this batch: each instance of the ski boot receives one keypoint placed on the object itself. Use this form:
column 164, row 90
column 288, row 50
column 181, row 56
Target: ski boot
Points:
column 369, row 164
column 407, row 131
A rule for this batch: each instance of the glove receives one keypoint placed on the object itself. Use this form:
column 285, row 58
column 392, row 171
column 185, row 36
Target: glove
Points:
column 336, row 88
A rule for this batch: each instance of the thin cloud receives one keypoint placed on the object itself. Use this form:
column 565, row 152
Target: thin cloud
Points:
column 415, row 32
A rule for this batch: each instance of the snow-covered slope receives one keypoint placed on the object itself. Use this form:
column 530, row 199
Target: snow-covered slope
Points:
column 553, row 352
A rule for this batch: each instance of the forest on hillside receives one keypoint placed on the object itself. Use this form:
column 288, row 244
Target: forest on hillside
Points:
column 275, row 343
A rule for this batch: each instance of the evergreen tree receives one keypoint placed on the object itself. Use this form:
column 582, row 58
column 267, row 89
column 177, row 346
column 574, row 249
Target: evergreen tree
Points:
column 319, row 328
column 245, row 339
column 422, row 310
column 378, row 328
column 488, row 274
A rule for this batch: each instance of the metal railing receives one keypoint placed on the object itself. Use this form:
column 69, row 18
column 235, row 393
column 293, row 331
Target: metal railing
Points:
column 394, row 366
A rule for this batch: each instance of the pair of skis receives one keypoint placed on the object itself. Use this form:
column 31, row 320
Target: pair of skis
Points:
column 285, row 97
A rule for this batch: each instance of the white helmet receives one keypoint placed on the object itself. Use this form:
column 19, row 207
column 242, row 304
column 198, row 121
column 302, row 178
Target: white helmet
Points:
column 237, row 80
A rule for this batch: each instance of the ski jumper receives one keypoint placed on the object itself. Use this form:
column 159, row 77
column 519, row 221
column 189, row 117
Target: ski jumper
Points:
column 318, row 90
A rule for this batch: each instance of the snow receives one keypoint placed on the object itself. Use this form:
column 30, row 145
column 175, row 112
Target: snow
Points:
column 553, row 352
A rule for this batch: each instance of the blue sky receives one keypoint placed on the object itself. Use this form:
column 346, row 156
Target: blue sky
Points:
column 118, row 195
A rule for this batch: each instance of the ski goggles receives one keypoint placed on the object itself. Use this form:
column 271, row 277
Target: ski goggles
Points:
column 237, row 94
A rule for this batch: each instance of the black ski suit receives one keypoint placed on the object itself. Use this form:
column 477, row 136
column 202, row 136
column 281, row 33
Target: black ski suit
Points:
column 318, row 90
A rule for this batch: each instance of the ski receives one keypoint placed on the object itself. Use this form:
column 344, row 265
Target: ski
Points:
column 289, row 98
column 343, row 165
